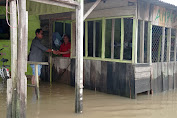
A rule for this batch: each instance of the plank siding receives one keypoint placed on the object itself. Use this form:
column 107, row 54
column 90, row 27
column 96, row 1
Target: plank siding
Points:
column 109, row 78
column 121, row 79
column 72, row 79
column 87, row 74
column 170, row 76
column 165, row 76
column 130, row 81
column 159, row 78
column 103, row 81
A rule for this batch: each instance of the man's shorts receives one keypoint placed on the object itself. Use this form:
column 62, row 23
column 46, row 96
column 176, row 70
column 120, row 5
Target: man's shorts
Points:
column 39, row 69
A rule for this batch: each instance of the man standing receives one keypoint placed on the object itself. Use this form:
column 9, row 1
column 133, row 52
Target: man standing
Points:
column 36, row 52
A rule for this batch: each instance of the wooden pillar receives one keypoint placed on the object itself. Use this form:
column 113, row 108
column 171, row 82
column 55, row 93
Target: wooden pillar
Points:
column 135, row 41
column 163, row 44
column 26, row 55
column 21, row 85
column 112, row 38
column 141, row 42
column 122, row 40
column 73, row 39
column 50, row 54
column 86, row 38
column 79, row 58
column 168, row 44
column 12, row 97
column 103, row 38
column 9, row 98
column 149, row 43
column 94, row 38
column 37, row 81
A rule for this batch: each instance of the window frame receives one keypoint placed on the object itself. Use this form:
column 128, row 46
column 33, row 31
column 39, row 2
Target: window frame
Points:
column 102, row 58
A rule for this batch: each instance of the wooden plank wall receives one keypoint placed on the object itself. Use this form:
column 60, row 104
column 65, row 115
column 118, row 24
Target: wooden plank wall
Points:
column 123, row 79
column 109, row 77
column 142, row 78
column 164, row 76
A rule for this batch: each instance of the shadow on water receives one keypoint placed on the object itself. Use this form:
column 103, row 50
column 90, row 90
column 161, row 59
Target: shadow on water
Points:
column 58, row 100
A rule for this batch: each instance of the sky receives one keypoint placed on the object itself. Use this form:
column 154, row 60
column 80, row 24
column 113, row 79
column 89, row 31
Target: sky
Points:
column 174, row 2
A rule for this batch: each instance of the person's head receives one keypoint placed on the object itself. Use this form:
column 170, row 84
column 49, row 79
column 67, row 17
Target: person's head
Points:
column 66, row 39
column 39, row 33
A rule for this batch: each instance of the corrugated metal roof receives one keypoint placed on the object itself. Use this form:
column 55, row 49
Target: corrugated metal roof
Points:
column 172, row 2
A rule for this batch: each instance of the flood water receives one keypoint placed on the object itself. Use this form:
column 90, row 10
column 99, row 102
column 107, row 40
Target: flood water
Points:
column 57, row 101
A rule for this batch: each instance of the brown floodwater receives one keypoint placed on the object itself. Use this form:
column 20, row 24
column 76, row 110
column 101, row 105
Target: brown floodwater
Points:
column 57, row 101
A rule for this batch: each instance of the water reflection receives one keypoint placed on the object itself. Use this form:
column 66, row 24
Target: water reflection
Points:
column 57, row 101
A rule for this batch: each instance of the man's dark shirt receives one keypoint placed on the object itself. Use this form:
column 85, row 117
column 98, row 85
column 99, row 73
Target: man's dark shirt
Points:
column 37, row 50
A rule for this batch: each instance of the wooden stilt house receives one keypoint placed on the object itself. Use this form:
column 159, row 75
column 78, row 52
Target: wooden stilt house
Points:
column 129, row 47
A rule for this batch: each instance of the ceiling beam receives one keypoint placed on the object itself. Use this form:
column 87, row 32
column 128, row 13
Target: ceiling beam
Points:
column 91, row 9
column 68, row 2
column 54, row 3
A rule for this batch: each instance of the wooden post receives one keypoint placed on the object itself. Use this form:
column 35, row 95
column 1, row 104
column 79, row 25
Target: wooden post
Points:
column 9, row 98
column 168, row 45
column 141, row 41
column 50, row 54
column 103, row 38
column 163, row 44
column 86, row 38
column 122, row 39
column 79, row 58
column 112, row 39
column 37, row 81
column 26, row 55
column 25, row 47
column 135, row 40
column 11, row 107
column 94, row 38
column 149, row 43
column 21, row 85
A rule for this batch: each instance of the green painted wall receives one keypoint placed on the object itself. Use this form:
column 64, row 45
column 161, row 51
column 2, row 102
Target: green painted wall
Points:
column 2, row 10
column 34, row 10
column 34, row 23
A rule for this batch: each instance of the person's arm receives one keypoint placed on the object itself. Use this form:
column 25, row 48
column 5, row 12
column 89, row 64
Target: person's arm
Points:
column 42, row 47
column 67, row 52
column 49, row 50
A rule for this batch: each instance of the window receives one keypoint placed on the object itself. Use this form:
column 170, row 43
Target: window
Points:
column 142, row 41
column 4, row 30
column 169, row 44
column 113, row 38
column 94, row 38
column 173, row 34
column 128, row 33
column 156, row 43
column 117, row 40
column 63, row 28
